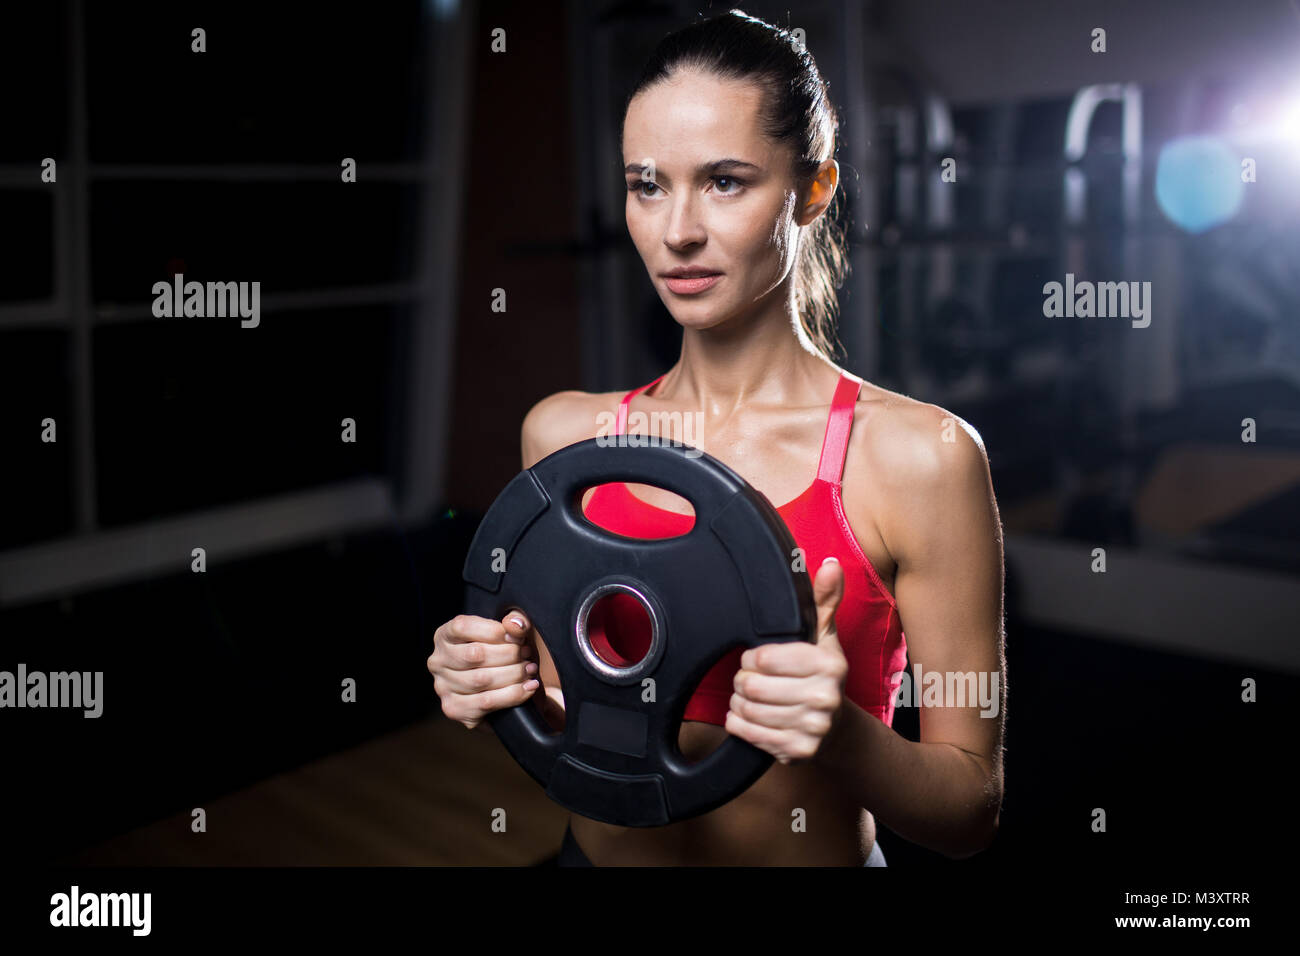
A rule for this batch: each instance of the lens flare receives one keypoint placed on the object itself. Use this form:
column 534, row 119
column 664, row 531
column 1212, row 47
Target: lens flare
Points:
column 1198, row 182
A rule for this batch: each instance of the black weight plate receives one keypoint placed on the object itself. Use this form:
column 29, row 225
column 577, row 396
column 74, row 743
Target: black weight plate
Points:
column 728, row 582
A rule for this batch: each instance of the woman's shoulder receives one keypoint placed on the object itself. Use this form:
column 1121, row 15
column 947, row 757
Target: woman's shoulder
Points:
column 913, row 441
column 923, row 467
column 564, row 418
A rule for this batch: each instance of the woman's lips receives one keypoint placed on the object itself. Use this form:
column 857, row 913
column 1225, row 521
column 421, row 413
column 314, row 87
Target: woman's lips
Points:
column 691, row 285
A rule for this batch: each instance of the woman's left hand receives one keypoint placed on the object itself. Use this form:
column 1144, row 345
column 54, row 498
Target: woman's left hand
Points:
column 789, row 697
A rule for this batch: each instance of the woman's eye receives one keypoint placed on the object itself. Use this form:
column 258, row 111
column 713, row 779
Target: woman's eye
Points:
column 726, row 186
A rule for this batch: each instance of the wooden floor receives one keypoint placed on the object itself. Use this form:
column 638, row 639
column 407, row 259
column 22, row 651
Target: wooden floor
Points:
column 421, row 796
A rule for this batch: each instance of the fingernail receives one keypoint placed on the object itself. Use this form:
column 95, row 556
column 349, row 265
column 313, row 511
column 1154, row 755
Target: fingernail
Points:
column 530, row 685
column 828, row 560
column 530, row 668
column 517, row 621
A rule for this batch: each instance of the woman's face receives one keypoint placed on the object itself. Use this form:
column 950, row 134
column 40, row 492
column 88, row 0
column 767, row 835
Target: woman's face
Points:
column 707, row 191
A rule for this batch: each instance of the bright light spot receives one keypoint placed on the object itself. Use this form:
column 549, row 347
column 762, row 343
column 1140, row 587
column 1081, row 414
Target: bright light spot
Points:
column 1198, row 182
column 1289, row 124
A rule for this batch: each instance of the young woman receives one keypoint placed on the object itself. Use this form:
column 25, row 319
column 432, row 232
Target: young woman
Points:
column 728, row 140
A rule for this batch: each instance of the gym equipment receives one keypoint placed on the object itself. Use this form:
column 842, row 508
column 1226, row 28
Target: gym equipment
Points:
column 729, row 581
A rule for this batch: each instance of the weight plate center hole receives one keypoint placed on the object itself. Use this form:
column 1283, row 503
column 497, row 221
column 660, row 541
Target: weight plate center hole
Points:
column 620, row 628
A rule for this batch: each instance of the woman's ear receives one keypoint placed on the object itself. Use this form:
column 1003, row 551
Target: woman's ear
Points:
column 820, row 191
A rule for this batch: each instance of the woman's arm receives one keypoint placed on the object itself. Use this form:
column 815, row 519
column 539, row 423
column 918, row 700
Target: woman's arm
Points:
column 943, row 529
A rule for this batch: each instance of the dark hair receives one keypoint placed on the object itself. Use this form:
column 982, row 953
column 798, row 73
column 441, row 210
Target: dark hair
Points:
column 796, row 110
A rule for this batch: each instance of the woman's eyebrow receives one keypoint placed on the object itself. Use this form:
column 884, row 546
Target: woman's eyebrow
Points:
column 716, row 168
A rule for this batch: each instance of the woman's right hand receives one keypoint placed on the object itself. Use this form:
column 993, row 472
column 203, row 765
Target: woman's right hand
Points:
column 480, row 665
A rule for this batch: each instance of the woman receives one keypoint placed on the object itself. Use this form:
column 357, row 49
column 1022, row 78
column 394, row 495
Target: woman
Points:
column 727, row 143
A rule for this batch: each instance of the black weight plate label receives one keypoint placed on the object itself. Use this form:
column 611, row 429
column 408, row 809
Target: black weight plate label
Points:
column 614, row 729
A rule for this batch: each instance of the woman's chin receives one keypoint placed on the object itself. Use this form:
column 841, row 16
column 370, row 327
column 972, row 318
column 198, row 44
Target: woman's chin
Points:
column 699, row 320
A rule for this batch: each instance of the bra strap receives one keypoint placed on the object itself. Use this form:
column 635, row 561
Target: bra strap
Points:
column 622, row 406
column 835, row 443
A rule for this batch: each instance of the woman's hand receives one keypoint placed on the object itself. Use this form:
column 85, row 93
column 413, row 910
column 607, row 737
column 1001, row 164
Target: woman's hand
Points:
column 788, row 697
column 480, row 665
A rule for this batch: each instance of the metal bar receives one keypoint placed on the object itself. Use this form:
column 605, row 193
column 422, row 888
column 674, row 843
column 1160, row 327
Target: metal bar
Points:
column 589, row 217
column 617, row 367
column 49, row 313
column 45, row 312
column 78, row 211
column 377, row 294
column 423, row 481
column 861, row 336
column 1243, row 615
column 69, row 565
column 264, row 172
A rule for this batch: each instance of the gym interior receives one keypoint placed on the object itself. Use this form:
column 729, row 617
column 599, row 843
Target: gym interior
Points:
column 283, row 688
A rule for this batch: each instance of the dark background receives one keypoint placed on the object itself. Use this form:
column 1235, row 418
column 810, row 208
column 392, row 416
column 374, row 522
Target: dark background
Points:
column 479, row 171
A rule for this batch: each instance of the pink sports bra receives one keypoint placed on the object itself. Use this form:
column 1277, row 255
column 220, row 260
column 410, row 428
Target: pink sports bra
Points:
column 867, row 621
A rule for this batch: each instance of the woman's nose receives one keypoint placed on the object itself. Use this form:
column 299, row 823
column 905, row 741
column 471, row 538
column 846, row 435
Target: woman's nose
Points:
column 684, row 227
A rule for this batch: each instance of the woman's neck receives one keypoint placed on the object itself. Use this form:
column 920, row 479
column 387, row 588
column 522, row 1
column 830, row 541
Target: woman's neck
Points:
column 765, row 363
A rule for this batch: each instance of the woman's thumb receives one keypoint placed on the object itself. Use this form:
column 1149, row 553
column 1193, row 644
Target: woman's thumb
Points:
column 519, row 626
column 828, row 591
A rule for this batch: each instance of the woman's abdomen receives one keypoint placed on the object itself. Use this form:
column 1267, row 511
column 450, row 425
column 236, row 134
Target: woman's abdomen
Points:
column 792, row 816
